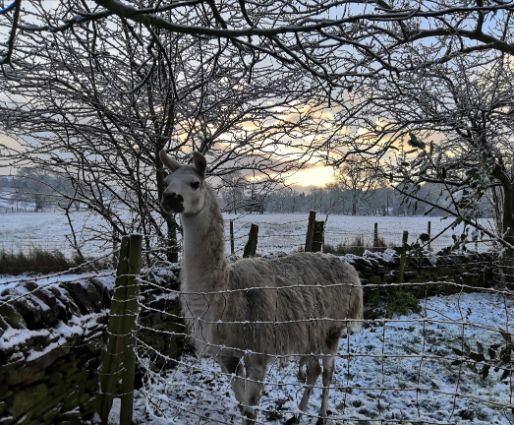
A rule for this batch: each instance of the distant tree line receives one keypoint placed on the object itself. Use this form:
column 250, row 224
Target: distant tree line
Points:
column 377, row 202
column 39, row 189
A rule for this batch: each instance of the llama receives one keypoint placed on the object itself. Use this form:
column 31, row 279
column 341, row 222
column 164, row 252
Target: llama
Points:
column 245, row 312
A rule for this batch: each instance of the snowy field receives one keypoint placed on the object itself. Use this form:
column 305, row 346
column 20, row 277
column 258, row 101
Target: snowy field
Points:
column 413, row 369
column 277, row 232
column 403, row 371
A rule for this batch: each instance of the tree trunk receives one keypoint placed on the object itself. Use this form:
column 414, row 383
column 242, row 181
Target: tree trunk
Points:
column 508, row 235
column 507, row 224
column 171, row 242
column 172, row 247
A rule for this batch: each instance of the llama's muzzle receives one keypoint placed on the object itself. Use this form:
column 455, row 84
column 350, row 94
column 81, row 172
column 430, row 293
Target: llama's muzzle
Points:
column 171, row 202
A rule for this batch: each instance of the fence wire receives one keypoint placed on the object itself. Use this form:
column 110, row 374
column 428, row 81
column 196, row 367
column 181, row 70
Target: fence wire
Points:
column 442, row 365
column 450, row 361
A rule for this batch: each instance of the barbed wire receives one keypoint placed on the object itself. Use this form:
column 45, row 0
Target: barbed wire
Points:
column 185, row 370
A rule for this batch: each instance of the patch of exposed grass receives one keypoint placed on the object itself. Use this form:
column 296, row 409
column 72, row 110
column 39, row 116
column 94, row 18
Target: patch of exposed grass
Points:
column 401, row 302
column 356, row 247
column 35, row 261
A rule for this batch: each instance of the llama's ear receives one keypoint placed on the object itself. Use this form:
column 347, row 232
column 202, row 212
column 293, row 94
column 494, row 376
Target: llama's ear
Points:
column 168, row 161
column 200, row 163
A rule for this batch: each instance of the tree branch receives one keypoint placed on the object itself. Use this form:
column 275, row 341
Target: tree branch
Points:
column 10, row 44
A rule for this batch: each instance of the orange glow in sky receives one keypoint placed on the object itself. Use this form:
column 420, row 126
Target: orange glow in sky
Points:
column 317, row 175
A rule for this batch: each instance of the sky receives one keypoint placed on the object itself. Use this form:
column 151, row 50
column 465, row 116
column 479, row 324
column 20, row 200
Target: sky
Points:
column 313, row 176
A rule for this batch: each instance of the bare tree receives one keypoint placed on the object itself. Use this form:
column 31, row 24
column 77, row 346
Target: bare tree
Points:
column 318, row 36
column 100, row 101
column 357, row 177
column 451, row 125
column 330, row 53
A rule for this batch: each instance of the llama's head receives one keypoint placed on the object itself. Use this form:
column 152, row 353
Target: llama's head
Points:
column 185, row 188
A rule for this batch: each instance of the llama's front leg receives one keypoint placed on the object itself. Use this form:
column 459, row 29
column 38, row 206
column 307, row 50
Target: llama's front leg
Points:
column 255, row 366
column 234, row 365
column 312, row 374
column 328, row 372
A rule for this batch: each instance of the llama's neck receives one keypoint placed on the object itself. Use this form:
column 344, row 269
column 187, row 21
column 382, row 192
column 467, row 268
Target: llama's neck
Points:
column 204, row 264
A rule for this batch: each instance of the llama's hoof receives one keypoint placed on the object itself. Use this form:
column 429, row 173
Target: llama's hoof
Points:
column 292, row 421
column 250, row 416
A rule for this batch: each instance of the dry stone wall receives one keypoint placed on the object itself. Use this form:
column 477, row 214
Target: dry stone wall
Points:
column 51, row 340
column 50, row 349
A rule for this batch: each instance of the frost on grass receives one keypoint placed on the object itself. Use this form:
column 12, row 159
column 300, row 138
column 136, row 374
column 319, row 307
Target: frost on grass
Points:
column 412, row 369
column 277, row 232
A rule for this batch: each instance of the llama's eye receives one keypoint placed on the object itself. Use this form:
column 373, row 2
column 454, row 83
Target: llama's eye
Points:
column 195, row 185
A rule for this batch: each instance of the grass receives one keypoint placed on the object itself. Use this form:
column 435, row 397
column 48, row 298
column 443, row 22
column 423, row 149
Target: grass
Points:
column 356, row 247
column 35, row 261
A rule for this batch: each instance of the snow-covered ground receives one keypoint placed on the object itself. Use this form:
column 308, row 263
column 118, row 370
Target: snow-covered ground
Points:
column 277, row 232
column 284, row 232
column 49, row 230
column 403, row 371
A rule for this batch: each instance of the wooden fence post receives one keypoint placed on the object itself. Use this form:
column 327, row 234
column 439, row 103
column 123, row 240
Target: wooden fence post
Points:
column 375, row 237
column 251, row 245
column 110, row 359
column 310, row 231
column 403, row 257
column 118, row 362
column 128, row 327
column 318, row 237
column 232, row 248
column 429, row 232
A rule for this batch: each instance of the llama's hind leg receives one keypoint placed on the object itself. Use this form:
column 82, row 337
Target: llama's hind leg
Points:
column 311, row 376
column 328, row 372
column 255, row 366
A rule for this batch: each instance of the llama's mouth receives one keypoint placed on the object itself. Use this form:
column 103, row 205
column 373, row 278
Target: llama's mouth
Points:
column 172, row 209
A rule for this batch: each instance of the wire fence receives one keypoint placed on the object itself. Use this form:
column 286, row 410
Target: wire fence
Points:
column 48, row 231
column 449, row 360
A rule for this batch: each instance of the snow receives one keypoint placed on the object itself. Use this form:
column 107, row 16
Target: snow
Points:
column 277, row 232
column 12, row 338
column 55, row 279
column 399, row 371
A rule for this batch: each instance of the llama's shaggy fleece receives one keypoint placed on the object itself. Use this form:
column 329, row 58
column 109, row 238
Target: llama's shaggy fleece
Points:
column 297, row 304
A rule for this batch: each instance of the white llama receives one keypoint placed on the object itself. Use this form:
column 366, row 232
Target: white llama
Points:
column 248, row 311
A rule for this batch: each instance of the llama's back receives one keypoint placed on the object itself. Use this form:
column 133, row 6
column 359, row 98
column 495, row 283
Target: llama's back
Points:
column 295, row 304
